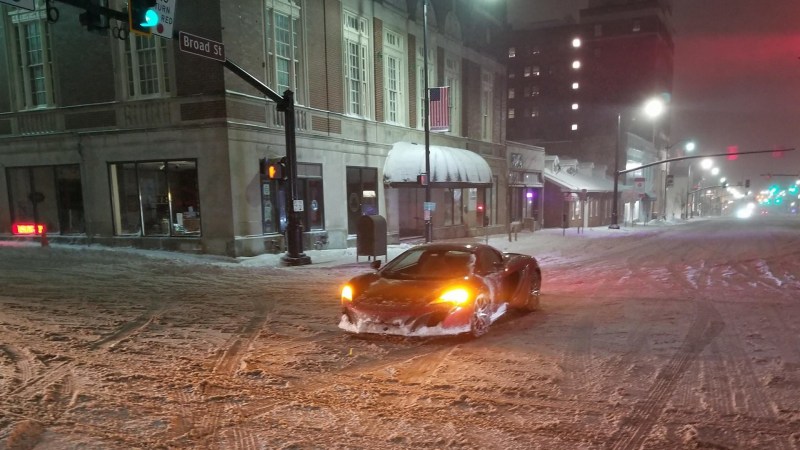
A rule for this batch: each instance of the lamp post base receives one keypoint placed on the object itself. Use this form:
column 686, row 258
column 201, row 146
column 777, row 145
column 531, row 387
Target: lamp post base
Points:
column 300, row 260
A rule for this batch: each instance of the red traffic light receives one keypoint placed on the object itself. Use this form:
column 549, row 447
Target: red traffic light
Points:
column 733, row 151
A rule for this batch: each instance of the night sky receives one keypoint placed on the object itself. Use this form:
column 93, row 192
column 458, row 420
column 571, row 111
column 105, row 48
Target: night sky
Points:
column 737, row 78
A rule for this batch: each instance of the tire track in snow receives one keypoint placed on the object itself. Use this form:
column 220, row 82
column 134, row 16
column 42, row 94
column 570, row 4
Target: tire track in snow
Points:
column 635, row 428
column 127, row 330
column 575, row 362
column 22, row 365
column 217, row 397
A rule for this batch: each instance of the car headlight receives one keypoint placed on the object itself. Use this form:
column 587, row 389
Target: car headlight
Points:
column 455, row 296
column 347, row 293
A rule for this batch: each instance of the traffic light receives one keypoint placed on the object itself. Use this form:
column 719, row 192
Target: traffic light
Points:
column 670, row 180
column 142, row 16
column 275, row 168
column 733, row 152
column 422, row 179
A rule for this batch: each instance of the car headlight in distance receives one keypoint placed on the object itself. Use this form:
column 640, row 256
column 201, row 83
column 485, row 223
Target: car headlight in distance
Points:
column 347, row 293
column 455, row 296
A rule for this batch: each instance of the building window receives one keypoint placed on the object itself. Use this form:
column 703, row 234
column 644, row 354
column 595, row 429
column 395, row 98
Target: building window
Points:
column 512, row 75
column 421, row 82
column 574, row 127
column 510, row 92
column 362, row 195
column 576, row 64
column 527, row 71
column 575, row 86
column 147, row 66
column 575, row 106
column 534, row 91
column 155, row 198
column 534, row 112
column 32, row 53
column 356, row 65
column 48, row 195
column 452, row 78
column 512, row 52
column 511, row 113
column 576, row 43
column 487, row 100
column 453, row 206
column 309, row 189
column 284, row 48
column 637, row 26
column 394, row 84
column 535, row 51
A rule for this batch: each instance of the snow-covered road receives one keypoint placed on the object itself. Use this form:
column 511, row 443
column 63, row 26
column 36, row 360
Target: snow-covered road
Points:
column 680, row 336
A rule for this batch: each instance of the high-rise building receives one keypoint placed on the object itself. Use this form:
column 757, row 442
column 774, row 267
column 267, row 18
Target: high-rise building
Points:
column 570, row 80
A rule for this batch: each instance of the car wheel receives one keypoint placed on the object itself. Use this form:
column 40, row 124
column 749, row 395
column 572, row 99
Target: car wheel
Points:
column 481, row 316
column 535, row 293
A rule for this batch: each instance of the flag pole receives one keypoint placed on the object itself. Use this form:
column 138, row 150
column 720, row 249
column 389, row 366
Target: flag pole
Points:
column 428, row 176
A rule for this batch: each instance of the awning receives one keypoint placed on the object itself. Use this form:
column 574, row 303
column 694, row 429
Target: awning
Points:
column 575, row 182
column 450, row 167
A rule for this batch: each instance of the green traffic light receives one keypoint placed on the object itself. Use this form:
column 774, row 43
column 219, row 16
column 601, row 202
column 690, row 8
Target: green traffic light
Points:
column 150, row 19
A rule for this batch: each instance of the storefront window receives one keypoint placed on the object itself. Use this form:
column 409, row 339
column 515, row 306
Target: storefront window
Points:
column 159, row 198
column 49, row 195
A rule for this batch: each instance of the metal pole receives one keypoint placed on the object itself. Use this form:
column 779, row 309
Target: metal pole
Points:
column 428, row 175
column 294, row 232
column 614, row 205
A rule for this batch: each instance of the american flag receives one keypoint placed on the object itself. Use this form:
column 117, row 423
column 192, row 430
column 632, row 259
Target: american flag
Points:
column 439, row 108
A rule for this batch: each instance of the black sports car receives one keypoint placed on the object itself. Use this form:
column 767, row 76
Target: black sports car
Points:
column 440, row 289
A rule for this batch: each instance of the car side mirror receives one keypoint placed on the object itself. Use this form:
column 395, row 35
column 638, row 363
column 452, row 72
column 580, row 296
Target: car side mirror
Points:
column 376, row 264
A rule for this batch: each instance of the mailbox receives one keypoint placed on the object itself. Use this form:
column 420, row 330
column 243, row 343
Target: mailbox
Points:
column 371, row 236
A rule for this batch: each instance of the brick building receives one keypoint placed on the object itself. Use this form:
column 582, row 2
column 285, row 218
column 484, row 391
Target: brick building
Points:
column 132, row 142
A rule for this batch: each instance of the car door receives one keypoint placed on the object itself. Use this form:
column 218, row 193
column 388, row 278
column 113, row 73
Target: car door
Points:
column 489, row 265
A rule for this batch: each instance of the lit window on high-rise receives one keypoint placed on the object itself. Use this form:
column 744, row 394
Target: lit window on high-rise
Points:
column 512, row 52
column 575, row 86
column 576, row 43
column 576, row 64
column 574, row 106
column 574, row 127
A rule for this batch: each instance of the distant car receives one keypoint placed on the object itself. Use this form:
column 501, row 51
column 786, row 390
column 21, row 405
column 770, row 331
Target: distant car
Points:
column 440, row 289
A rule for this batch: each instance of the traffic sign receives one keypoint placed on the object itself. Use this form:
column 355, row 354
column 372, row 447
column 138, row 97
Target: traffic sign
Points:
column 30, row 5
column 166, row 18
column 201, row 46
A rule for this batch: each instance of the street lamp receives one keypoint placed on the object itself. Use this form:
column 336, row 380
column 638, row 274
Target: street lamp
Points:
column 652, row 108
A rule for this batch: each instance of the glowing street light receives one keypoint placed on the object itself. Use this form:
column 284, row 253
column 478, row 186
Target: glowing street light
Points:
column 652, row 108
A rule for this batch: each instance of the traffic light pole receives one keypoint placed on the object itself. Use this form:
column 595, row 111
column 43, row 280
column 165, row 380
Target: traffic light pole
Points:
column 294, row 233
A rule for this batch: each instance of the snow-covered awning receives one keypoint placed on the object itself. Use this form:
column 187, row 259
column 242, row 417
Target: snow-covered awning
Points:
column 573, row 181
column 450, row 167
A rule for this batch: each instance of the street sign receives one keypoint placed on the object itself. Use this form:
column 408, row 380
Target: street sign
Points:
column 638, row 185
column 166, row 18
column 298, row 205
column 429, row 206
column 30, row 5
column 201, row 46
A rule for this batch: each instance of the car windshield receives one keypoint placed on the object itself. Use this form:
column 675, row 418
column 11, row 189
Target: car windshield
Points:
column 431, row 264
